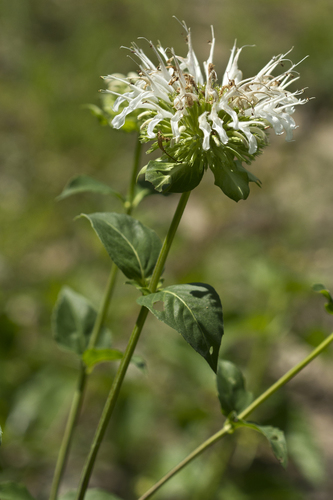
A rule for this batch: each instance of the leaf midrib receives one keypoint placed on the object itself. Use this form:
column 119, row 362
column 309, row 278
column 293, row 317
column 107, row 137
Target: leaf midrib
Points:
column 130, row 245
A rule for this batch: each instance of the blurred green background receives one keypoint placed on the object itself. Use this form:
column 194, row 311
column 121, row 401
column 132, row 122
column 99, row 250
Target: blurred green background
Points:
column 261, row 255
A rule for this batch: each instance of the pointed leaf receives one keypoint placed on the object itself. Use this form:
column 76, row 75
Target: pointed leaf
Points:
column 195, row 311
column 14, row 491
column 85, row 184
column 250, row 175
column 231, row 388
column 233, row 180
column 73, row 320
column 133, row 247
column 275, row 437
column 173, row 177
column 91, row 494
column 93, row 357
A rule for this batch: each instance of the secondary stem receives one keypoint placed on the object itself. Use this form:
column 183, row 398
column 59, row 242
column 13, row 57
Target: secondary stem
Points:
column 117, row 383
column 100, row 319
column 69, row 431
column 245, row 413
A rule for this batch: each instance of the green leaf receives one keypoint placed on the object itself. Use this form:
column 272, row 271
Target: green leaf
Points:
column 250, row 175
column 275, row 437
column 0, row 435
column 73, row 320
column 91, row 494
column 324, row 291
column 14, row 491
column 195, row 311
column 92, row 357
column 233, row 179
column 172, row 177
column 133, row 247
column 86, row 184
column 231, row 388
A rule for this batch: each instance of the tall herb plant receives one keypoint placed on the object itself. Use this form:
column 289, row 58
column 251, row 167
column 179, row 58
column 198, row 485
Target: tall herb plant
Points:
column 195, row 121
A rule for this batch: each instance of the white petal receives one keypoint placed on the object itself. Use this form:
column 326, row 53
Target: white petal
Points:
column 191, row 62
column 232, row 72
column 218, row 125
column 150, row 129
column 223, row 104
column 205, row 127
column 119, row 120
column 250, row 137
column 174, row 124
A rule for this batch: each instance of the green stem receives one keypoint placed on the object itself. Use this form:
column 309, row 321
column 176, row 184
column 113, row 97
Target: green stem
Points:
column 285, row 378
column 245, row 413
column 117, row 383
column 68, row 434
column 100, row 319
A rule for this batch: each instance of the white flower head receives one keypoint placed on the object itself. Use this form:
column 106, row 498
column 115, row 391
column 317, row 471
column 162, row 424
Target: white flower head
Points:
column 199, row 120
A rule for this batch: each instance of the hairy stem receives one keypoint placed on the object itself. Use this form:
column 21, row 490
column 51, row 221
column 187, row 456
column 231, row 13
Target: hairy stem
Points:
column 118, row 380
column 245, row 413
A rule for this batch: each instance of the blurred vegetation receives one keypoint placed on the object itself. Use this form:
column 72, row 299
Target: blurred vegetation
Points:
column 262, row 256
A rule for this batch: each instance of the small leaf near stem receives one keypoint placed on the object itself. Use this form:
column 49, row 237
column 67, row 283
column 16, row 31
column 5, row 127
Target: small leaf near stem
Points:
column 86, row 184
column 231, row 388
column 73, row 320
column 274, row 435
column 227, row 428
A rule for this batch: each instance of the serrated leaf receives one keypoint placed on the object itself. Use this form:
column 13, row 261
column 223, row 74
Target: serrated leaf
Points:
column 172, row 177
column 195, row 311
column 275, row 437
column 86, row 184
column 326, row 293
column 133, row 247
column 14, row 491
column 91, row 494
column 73, row 319
column 231, row 389
column 233, row 179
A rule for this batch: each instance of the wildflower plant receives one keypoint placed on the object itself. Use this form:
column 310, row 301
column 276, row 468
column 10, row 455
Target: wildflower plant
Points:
column 195, row 121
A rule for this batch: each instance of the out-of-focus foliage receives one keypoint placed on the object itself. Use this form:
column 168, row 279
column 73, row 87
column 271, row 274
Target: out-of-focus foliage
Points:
column 261, row 256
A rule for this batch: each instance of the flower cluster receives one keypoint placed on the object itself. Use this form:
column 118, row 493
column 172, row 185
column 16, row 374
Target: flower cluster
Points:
column 199, row 122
